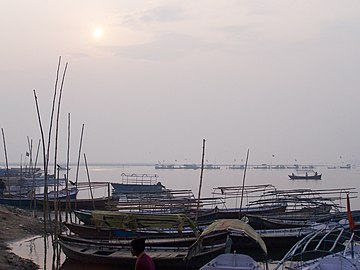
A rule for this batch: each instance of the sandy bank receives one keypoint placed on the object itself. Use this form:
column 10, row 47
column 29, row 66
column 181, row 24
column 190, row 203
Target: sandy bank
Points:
column 16, row 224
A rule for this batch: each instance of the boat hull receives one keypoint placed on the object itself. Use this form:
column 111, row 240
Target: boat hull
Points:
column 164, row 258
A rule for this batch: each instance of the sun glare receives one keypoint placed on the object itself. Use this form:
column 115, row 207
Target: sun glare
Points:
column 98, row 32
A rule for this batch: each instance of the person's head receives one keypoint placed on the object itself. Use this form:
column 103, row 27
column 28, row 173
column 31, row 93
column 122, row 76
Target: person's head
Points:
column 137, row 246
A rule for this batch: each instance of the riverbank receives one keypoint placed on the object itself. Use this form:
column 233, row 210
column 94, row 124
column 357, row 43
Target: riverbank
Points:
column 16, row 224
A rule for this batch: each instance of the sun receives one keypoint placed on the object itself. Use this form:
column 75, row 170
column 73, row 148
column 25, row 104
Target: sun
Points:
column 98, row 33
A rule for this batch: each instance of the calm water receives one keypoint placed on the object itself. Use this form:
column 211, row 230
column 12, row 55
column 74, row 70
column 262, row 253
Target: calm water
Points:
column 189, row 179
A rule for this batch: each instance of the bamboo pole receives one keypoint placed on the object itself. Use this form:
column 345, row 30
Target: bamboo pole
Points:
column 78, row 161
column 47, row 153
column 45, row 207
column 88, row 177
column 37, row 154
column 68, row 205
column 243, row 184
column 108, row 192
column 58, row 117
column 31, row 173
column 6, row 157
column 56, row 152
column 201, row 179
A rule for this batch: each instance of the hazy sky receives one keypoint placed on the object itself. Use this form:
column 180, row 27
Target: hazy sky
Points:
column 151, row 79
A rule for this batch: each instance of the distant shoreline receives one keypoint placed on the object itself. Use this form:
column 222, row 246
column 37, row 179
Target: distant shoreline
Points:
column 144, row 164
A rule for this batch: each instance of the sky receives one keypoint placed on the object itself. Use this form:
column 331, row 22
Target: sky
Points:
column 149, row 80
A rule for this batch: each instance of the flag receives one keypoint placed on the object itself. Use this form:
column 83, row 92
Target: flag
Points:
column 350, row 218
column 27, row 154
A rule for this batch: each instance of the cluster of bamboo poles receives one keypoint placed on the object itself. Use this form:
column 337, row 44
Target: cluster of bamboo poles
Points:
column 46, row 146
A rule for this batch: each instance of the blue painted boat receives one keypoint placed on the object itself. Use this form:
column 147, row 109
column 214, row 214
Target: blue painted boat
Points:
column 138, row 183
column 121, row 188
column 37, row 200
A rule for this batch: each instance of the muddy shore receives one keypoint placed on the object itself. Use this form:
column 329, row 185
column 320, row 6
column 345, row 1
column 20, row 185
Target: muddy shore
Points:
column 17, row 224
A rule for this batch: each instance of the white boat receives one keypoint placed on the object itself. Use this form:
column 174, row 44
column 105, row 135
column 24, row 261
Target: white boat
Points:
column 230, row 261
column 349, row 259
column 337, row 250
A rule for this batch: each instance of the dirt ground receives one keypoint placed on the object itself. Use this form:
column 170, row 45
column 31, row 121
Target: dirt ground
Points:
column 16, row 224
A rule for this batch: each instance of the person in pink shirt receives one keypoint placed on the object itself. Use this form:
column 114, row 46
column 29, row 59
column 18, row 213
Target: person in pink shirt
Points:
column 143, row 261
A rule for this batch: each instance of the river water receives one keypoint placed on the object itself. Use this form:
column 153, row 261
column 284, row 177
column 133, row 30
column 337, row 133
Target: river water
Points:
column 36, row 248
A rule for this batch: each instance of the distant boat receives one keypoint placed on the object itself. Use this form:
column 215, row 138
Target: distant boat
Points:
column 120, row 188
column 347, row 166
column 182, row 167
column 137, row 183
column 211, row 167
column 308, row 175
column 236, row 167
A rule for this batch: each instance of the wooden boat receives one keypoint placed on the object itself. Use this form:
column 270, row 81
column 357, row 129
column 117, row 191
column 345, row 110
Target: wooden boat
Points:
column 84, row 215
column 39, row 181
column 19, row 171
column 84, row 204
column 298, row 205
column 171, row 256
column 18, row 201
column 154, row 240
column 136, row 183
column 93, row 232
column 120, row 188
column 164, row 258
column 173, row 201
column 231, row 213
column 150, row 242
column 264, row 222
column 37, row 200
column 133, row 221
column 307, row 175
column 291, row 219
column 232, row 261
column 306, row 204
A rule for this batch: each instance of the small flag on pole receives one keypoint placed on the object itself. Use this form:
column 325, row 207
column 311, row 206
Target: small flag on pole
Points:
column 350, row 218
column 27, row 154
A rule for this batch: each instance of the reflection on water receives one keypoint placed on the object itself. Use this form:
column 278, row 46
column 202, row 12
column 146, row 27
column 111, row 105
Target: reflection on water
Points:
column 40, row 250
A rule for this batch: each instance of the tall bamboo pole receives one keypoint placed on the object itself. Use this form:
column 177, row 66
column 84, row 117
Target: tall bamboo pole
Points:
column 68, row 205
column 56, row 152
column 201, row 179
column 31, row 173
column 58, row 116
column 243, row 184
column 44, row 157
column 35, row 165
column 37, row 154
column 47, row 153
column 78, row 161
column 88, row 177
column 6, row 158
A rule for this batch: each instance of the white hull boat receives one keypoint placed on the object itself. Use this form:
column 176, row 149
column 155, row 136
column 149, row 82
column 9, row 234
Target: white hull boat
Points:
column 230, row 261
